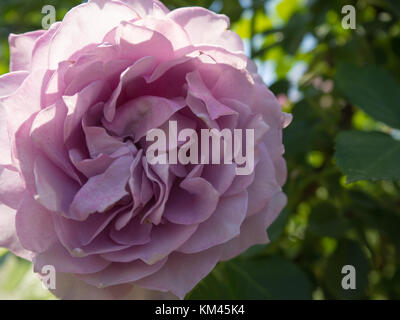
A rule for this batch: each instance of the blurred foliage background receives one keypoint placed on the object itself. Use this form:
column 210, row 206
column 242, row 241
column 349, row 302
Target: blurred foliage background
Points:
column 343, row 149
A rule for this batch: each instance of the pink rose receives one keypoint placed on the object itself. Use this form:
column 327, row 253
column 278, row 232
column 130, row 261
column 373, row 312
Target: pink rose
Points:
column 76, row 189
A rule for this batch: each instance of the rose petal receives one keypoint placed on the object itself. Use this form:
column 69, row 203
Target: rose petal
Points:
column 239, row 184
column 11, row 187
column 139, row 116
column 77, row 32
column 55, row 189
column 192, row 202
column 10, row 82
column 58, row 257
column 264, row 185
column 5, row 148
column 134, row 233
column 40, row 52
column 162, row 180
column 253, row 230
column 168, row 28
column 80, row 76
column 34, row 226
column 120, row 273
column 221, row 227
column 182, row 272
column 139, row 68
column 136, row 42
column 102, row 191
column 220, row 176
column 193, row 19
column 69, row 287
column 8, row 234
column 77, row 234
column 100, row 142
column 164, row 240
column 47, row 136
column 26, row 100
column 21, row 47
column 102, row 244
column 146, row 7
column 198, row 89
column 78, row 104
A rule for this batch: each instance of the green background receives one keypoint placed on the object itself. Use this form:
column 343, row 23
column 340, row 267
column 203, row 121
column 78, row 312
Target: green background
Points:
column 342, row 149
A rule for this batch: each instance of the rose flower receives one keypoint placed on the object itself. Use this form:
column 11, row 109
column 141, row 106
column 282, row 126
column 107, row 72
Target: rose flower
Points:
column 77, row 191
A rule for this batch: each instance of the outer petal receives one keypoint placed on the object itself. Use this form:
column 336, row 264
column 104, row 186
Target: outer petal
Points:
column 194, row 19
column 26, row 100
column 264, row 185
column 63, row 261
column 182, row 272
column 69, row 287
column 8, row 234
column 253, row 230
column 146, row 7
column 21, row 47
column 34, row 226
column 40, row 53
column 5, row 148
column 11, row 187
column 265, row 103
column 10, row 82
column 77, row 31
column 120, row 273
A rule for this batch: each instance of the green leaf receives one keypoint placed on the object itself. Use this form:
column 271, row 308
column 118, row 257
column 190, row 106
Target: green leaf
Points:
column 302, row 133
column 3, row 255
column 372, row 89
column 262, row 22
column 17, row 281
column 294, row 31
column 286, row 8
column 278, row 226
column 232, row 9
column 264, row 278
column 347, row 253
column 368, row 156
column 325, row 221
column 280, row 87
column 15, row 269
column 384, row 220
column 242, row 28
column 395, row 6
